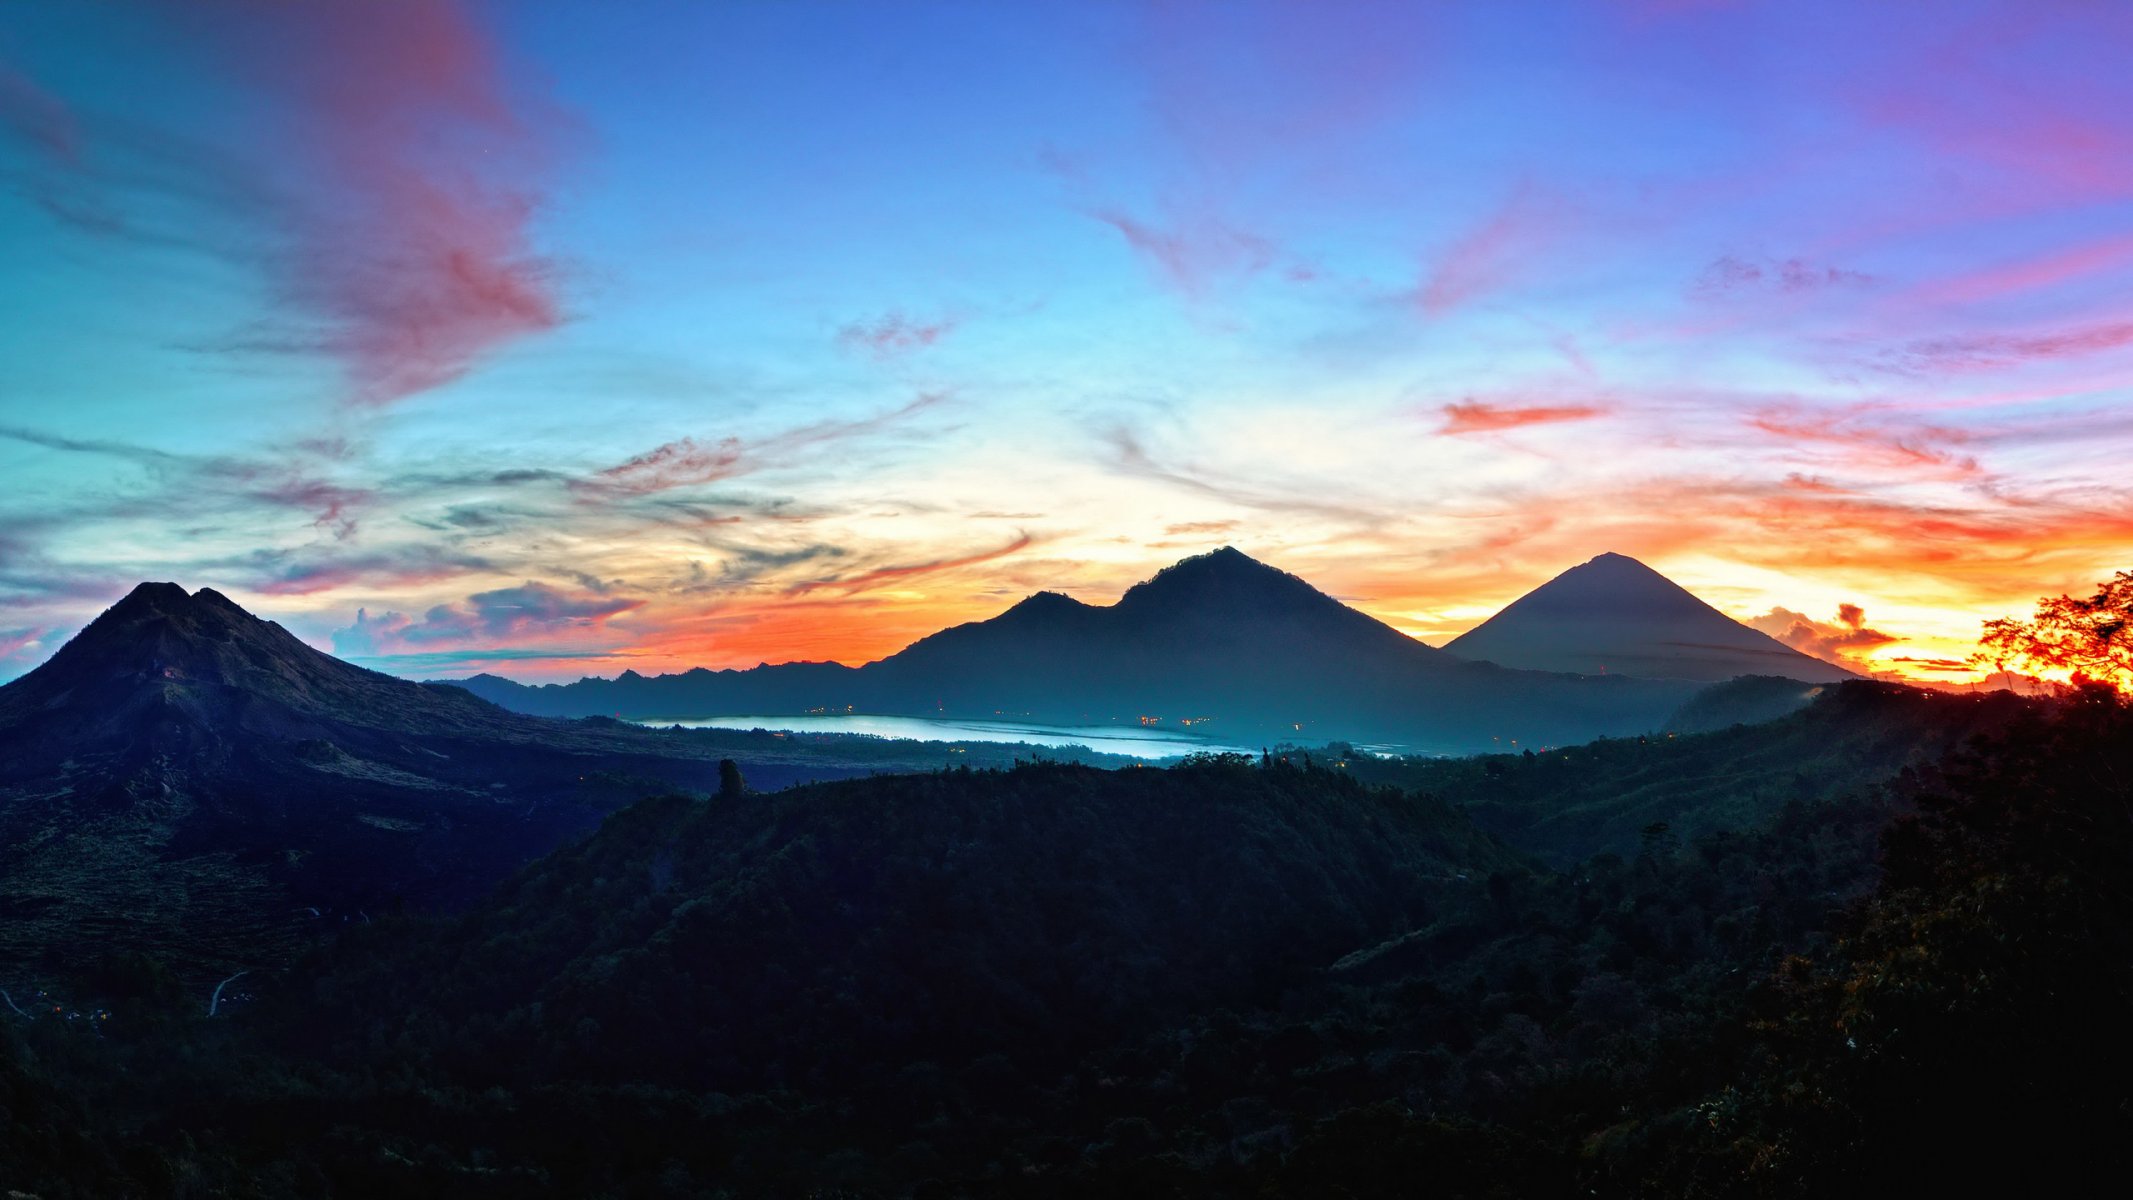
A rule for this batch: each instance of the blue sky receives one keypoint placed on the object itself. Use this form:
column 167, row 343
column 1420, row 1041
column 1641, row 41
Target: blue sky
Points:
column 560, row 338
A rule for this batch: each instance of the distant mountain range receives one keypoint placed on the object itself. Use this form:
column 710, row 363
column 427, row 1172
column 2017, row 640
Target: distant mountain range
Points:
column 1263, row 654
column 1613, row 615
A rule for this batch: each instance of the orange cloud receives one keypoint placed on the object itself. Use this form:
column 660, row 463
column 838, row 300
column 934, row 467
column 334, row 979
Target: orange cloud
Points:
column 1838, row 643
column 1923, row 447
column 1475, row 416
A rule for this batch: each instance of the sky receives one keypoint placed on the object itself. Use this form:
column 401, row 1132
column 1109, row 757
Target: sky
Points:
column 558, row 339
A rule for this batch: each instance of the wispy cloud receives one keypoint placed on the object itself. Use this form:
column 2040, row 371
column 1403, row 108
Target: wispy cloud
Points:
column 37, row 116
column 901, row 572
column 1475, row 416
column 1131, row 457
column 686, row 462
column 1730, row 274
column 484, row 621
column 1195, row 252
column 1998, row 351
column 894, row 334
column 1494, row 253
column 391, row 207
column 1859, row 439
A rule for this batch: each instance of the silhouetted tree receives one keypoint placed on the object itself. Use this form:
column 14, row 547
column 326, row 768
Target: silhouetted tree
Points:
column 730, row 784
column 2092, row 637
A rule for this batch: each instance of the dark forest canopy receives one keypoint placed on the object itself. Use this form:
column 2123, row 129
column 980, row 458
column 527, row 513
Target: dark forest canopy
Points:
column 1233, row 977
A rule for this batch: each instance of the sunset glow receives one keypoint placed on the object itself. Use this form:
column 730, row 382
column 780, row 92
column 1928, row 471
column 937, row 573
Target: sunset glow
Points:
column 708, row 335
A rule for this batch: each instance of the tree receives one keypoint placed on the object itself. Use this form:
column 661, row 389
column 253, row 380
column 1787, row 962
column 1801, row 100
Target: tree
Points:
column 2092, row 637
column 730, row 784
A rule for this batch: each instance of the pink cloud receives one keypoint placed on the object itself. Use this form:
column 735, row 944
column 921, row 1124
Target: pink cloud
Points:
column 1491, row 255
column 38, row 116
column 674, row 464
column 895, row 334
column 14, row 643
column 1999, row 351
column 1974, row 94
column 1475, row 416
column 333, row 504
column 1861, row 442
column 1993, row 283
column 1194, row 253
column 414, row 258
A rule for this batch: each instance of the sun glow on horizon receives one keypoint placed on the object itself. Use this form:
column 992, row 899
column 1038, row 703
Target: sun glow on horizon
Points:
column 525, row 339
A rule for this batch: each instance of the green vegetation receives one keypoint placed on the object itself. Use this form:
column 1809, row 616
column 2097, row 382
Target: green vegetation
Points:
column 1233, row 977
column 1566, row 804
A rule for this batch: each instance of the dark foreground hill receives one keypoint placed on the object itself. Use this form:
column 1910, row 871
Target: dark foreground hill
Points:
column 1220, row 636
column 1569, row 804
column 186, row 779
column 1220, row 980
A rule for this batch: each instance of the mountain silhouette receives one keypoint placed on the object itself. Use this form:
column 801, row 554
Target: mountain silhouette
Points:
column 1261, row 653
column 185, row 777
column 1613, row 615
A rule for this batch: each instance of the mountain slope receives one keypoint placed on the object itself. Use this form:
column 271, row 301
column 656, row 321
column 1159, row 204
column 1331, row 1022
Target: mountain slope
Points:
column 1566, row 805
column 1614, row 615
column 1220, row 636
column 185, row 778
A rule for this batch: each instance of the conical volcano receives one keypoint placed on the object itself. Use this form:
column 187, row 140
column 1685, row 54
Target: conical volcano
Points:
column 203, row 656
column 1615, row 616
column 186, row 778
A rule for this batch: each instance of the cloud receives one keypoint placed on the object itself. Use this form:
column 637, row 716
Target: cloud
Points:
column 1997, row 351
column 879, row 575
column 38, row 117
column 1840, row 642
column 1730, row 274
column 20, row 643
column 1132, row 458
column 529, row 612
column 200, row 483
column 309, row 571
column 390, row 200
column 1860, row 442
column 894, row 334
column 1195, row 252
column 2032, row 274
column 1474, row 416
column 742, row 566
column 689, row 463
column 674, row 464
column 419, row 266
column 1492, row 254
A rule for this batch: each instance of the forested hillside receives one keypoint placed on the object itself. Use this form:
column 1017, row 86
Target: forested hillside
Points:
column 1228, row 978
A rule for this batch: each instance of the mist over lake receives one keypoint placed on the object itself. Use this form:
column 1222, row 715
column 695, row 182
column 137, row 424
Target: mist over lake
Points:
column 1104, row 739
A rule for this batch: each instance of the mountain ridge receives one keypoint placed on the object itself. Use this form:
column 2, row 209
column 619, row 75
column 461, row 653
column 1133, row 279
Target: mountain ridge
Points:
column 1614, row 615
column 1217, row 635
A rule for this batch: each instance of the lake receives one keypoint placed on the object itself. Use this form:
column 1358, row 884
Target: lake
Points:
column 1105, row 739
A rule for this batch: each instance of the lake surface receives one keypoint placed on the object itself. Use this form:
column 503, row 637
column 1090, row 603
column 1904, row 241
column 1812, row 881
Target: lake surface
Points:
column 1105, row 739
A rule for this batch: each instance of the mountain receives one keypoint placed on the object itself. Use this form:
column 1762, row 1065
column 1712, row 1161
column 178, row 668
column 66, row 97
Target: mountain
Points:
column 1613, row 615
column 185, row 778
column 1219, row 636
